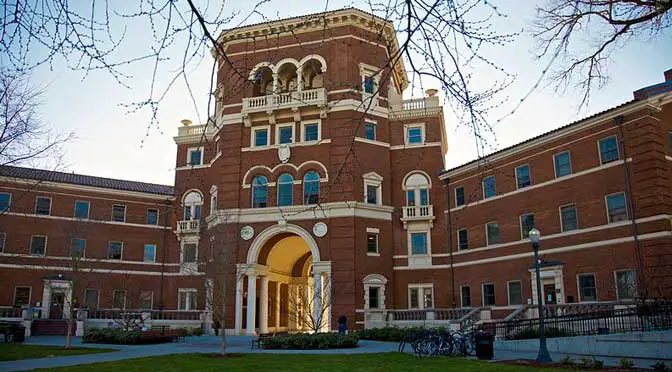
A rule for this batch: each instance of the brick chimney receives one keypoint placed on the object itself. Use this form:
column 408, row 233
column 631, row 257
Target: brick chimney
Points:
column 655, row 89
column 668, row 75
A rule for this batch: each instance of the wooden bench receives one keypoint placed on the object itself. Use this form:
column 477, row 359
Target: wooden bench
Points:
column 261, row 338
column 163, row 332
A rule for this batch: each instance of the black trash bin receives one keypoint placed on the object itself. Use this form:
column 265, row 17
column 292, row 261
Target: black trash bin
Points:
column 342, row 325
column 19, row 334
column 485, row 345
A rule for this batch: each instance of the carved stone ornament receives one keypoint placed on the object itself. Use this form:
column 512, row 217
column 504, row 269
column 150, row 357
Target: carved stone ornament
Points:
column 247, row 232
column 320, row 229
column 284, row 153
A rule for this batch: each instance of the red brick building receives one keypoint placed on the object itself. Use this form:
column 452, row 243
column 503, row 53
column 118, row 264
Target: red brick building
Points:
column 316, row 189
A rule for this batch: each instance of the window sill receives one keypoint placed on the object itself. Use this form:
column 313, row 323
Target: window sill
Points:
column 371, row 254
column 294, row 144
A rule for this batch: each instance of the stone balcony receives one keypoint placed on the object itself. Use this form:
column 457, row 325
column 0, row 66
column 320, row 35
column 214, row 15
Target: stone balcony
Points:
column 289, row 100
column 188, row 227
column 417, row 213
column 415, row 108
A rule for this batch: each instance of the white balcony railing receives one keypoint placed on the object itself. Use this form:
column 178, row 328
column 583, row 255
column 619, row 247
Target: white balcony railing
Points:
column 417, row 107
column 418, row 212
column 285, row 100
column 191, row 130
column 188, row 226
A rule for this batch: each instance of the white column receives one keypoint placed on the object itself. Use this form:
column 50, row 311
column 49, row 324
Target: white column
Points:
column 239, row 304
column 277, row 306
column 275, row 84
column 317, row 301
column 251, row 303
column 330, row 300
column 299, row 79
column 263, row 305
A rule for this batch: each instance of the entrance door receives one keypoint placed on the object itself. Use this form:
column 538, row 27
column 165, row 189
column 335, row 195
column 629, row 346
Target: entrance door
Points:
column 549, row 294
column 57, row 303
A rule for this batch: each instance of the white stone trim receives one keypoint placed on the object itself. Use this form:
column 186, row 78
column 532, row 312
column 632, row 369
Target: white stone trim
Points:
column 421, row 302
column 374, row 281
column 192, row 149
column 258, row 128
column 372, row 142
column 303, row 130
column 297, row 169
column 295, row 144
column 415, row 146
column 409, row 126
column 271, row 231
column 376, row 180
column 87, row 221
column 104, row 271
column 134, row 194
column 284, row 125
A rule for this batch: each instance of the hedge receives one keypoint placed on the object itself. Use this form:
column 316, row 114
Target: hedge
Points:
column 305, row 341
column 121, row 337
column 394, row 334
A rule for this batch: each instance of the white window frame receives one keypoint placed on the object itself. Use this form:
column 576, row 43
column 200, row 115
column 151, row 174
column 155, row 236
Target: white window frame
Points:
column 457, row 235
column 192, row 149
column 125, row 212
column 3, row 240
column 187, row 303
column 618, row 295
column 487, row 238
column 9, row 201
column 421, row 303
column 422, row 129
column 374, row 281
column 30, row 293
column 571, row 170
column 88, row 209
column 471, row 298
column 576, row 212
column 376, row 232
column 529, row 173
column 151, row 300
column 375, row 129
column 606, row 206
column 578, row 287
column 319, row 130
column 520, row 224
column 285, row 125
column 253, row 132
column 143, row 252
column 365, row 71
column 46, row 243
column 97, row 296
column 50, row 205
column 125, row 298
column 599, row 150
column 464, row 196
column 427, row 231
column 483, row 293
column 483, row 187
column 158, row 216
column 107, row 251
column 376, row 180
column 213, row 199
column 508, row 292
column 183, row 251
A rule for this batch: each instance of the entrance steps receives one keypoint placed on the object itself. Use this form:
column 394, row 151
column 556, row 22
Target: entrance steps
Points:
column 51, row 327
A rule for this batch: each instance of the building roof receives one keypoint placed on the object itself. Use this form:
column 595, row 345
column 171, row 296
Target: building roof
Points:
column 83, row 180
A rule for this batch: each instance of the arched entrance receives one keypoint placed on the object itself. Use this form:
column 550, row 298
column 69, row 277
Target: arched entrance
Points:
column 288, row 287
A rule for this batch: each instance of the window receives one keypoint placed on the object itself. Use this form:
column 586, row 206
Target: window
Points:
column 38, row 245
column 5, row 201
column 119, row 299
column 186, row 299
column 587, row 290
column 462, row 239
column 213, row 199
column 81, row 209
column 43, row 206
column 285, row 190
column 417, row 190
column 152, row 216
column 374, row 302
column 146, row 300
column 371, row 242
column 492, row 233
column 626, row 285
column 91, row 298
column 608, row 149
column 371, row 194
column 260, row 137
column 488, row 294
column 515, row 293
column 419, row 243
column 459, row 196
column 192, row 202
column 311, row 132
column 311, row 188
column 526, row 224
column 2, row 242
column 285, row 134
column 420, row 296
column 149, row 254
column 369, row 85
column 77, row 247
column 568, row 219
column 410, row 198
column 192, row 212
column 119, row 213
column 21, row 296
column 259, row 192
column 563, row 164
column 195, row 156
column 189, row 252
column 523, row 176
column 114, row 250
column 616, row 209
column 414, row 135
column 489, row 187
column 370, row 130
column 465, row 295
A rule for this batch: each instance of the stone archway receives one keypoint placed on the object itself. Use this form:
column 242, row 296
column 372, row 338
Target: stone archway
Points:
column 287, row 283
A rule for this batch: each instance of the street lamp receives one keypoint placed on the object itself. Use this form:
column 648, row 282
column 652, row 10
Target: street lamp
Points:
column 543, row 356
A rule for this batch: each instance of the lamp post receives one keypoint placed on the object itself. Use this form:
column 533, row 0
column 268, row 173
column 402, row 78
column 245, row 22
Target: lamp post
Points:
column 543, row 356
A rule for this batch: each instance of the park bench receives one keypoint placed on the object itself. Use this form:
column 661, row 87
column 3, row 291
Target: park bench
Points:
column 163, row 333
column 263, row 337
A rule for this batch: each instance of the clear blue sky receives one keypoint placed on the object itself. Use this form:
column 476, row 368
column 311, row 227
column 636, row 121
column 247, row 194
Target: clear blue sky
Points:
column 112, row 143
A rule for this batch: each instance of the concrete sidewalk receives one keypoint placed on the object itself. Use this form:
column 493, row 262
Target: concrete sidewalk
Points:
column 204, row 344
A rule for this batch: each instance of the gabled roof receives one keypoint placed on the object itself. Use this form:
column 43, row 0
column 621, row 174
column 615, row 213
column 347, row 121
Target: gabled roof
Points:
column 83, row 180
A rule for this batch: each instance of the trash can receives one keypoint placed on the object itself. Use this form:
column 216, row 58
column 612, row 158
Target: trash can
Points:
column 19, row 334
column 485, row 348
column 342, row 325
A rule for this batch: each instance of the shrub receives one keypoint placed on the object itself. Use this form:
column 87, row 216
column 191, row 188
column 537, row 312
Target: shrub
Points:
column 567, row 360
column 197, row 332
column 123, row 337
column 626, row 363
column 550, row 332
column 660, row 366
column 591, row 363
column 305, row 341
column 393, row 334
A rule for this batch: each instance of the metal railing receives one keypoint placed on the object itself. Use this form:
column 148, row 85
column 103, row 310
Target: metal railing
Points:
column 11, row 312
column 176, row 315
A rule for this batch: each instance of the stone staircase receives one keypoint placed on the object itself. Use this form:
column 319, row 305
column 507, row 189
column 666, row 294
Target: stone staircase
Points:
column 50, row 327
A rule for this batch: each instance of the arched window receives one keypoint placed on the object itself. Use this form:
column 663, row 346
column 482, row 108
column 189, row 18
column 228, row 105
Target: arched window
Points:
column 259, row 192
column 417, row 190
column 192, row 202
column 311, row 188
column 285, row 185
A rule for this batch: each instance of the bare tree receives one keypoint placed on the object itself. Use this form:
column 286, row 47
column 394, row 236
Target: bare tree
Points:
column 561, row 26
column 309, row 308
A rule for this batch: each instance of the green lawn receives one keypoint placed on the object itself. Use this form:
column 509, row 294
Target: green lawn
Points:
column 18, row 351
column 299, row 363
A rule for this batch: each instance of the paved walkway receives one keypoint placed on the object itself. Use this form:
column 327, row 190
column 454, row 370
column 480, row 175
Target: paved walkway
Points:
column 204, row 344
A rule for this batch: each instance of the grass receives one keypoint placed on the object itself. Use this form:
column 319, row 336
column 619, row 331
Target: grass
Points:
column 18, row 351
column 298, row 363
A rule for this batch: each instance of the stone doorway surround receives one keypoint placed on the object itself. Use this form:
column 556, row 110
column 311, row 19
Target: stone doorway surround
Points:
column 550, row 274
column 54, row 286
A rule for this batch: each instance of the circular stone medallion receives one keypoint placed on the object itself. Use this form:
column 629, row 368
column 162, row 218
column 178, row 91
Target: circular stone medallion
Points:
column 320, row 229
column 247, row 232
